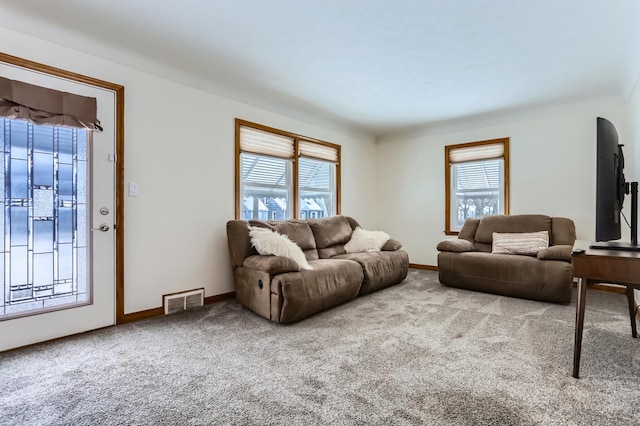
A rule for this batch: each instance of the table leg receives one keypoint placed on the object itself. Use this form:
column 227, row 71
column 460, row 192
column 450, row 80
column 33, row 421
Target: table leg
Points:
column 582, row 294
column 632, row 311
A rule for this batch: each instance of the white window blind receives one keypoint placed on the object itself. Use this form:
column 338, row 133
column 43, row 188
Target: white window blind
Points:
column 478, row 152
column 319, row 151
column 262, row 170
column 265, row 143
column 315, row 174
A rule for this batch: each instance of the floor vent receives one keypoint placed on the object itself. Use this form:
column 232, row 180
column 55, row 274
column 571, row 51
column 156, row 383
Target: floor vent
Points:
column 178, row 302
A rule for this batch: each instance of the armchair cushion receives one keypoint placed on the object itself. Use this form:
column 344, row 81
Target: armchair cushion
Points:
column 559, row 252
column 510, row 224
column 527, row 243
column 456, row 246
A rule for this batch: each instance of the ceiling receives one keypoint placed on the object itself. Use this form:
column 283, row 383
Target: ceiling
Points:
column 371, row 66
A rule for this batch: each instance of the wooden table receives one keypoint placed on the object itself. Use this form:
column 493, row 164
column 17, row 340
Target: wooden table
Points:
column 603, row 266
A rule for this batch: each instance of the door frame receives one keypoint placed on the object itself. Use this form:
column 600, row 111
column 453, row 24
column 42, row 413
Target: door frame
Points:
column 119, row 166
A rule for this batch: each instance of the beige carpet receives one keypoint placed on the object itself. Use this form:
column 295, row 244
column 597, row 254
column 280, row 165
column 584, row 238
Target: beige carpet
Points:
column 416, row 353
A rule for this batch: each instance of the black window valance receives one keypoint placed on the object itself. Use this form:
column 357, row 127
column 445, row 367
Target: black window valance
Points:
column 41, row 105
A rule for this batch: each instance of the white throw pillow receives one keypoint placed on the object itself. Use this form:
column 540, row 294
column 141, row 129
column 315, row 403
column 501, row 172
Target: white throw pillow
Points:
column 362, row 240
column 267, row 241
column 527, row 243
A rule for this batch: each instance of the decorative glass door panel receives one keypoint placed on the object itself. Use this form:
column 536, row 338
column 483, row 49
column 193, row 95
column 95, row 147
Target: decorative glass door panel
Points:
column 44, row 218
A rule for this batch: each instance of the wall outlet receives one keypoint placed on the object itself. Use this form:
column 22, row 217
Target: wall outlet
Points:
column 133, row 189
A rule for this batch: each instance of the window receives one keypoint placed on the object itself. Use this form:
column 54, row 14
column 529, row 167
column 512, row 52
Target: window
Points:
column 281, row 175
column 476, row 181
column 44, row 216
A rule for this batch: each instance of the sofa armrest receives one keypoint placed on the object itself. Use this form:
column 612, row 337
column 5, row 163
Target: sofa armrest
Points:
column 559, row 252
column 273, row 265
column 455, row 246
column 391, row 245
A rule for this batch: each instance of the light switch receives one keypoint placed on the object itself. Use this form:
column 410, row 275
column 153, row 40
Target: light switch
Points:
column 133, row 189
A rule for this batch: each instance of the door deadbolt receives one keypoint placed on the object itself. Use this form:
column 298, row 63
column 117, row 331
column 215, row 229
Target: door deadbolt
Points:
column 103, row 227
column 104, row 211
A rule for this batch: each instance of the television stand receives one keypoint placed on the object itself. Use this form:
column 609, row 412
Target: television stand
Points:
column 600, row 266
column 622, row 246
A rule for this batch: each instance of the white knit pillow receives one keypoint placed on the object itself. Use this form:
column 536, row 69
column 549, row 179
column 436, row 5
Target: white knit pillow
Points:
column 362, row 240
column 527, row 243
column 267, row 241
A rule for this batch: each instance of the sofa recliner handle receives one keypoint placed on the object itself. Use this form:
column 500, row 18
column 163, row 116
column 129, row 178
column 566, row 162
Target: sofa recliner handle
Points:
column 260, row 285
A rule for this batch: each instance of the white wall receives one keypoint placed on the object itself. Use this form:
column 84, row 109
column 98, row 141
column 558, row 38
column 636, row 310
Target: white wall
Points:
column 632, row 156
column 179, row 148
column 552, row 171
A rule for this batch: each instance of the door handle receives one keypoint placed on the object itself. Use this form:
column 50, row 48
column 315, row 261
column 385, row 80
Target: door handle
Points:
column 103, row 227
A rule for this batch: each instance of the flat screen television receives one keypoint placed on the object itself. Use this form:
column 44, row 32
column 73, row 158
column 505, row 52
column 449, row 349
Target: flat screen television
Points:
column 611, row 189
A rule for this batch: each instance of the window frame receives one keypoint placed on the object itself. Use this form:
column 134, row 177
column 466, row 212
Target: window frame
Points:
column 447, row 175
column 295, row 204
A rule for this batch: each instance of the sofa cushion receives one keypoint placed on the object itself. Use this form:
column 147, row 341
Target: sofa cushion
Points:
column 362, row 240
column 298, row 231
column 381, row 268
column 326, row 253
column 469, row 229
column 338, row 249
column 330, row 231
column 482, row 247
column 331, row 282
column 518, row 223
column 267, row 241
column 525, row 243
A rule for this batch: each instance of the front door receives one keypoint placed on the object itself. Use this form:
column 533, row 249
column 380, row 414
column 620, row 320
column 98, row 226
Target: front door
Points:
column 57, row 210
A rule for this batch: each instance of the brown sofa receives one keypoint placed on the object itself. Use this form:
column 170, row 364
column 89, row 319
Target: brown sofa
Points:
column 467, row 262
column 277, row 289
